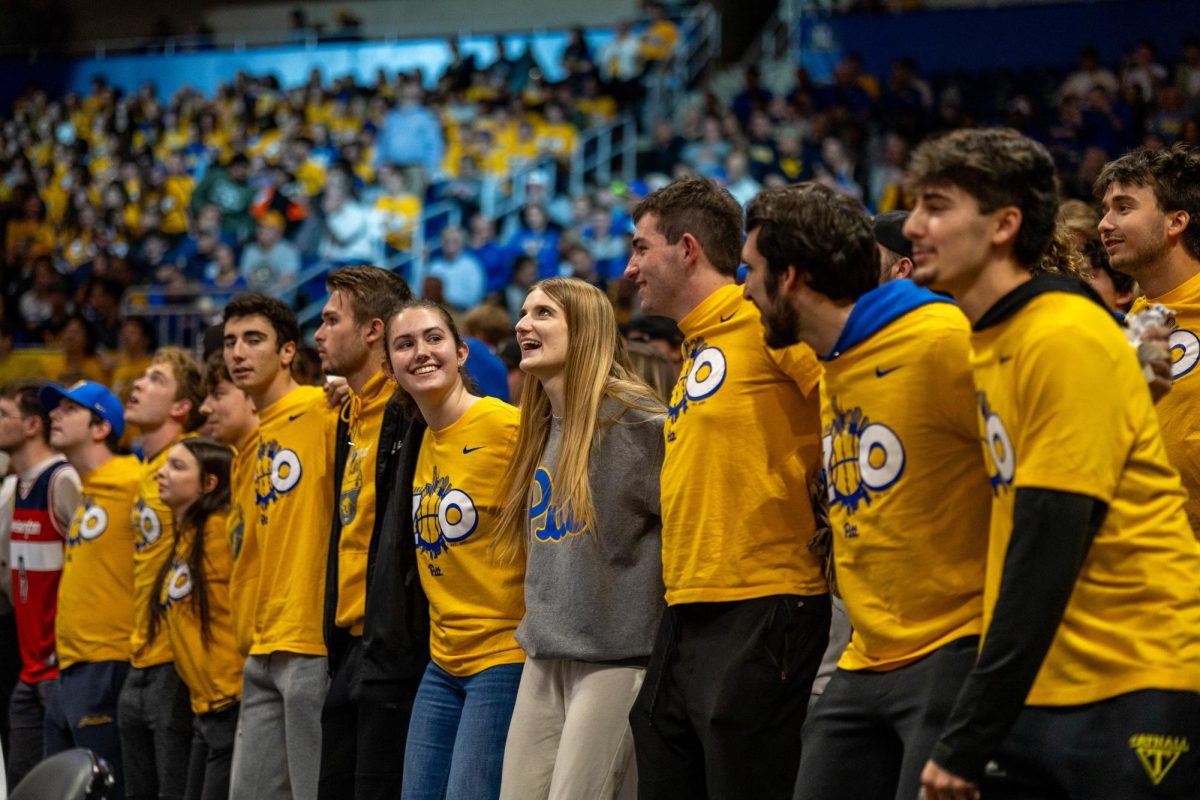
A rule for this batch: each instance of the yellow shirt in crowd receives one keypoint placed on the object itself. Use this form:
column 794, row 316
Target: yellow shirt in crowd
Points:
column 908, row 493
column 476, row 598
column 243, row 543
column 153, row 534
column 1063, row 406
column 294, row 505
column 356, row 505
column 95, row 594
column 212, row 668
column 742, row 449
column 1179, row 410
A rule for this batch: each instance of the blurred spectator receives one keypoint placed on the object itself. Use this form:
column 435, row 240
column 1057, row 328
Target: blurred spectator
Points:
column 577, row 59
column 1187, row 75
column 652, row 366
column 737, row 178
column 1089, row 75
column 496, row 259
column 660, row 333
column 1143, row 72
column 411, row 139
column 608, row 248
column 659, row 38
column 80, row 362
column 537, row 237
column 399, row 210
column 620, row 64
column 228, row 188
column 753, row 97
column 464, row 281
column 348, row 236
column 136, row 346
column 270, row 262
column 525, row 274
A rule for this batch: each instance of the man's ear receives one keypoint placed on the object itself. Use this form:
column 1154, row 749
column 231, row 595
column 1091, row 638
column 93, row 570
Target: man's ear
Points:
column 287, row 354
column 902, row 268
column 374, row 331
column 791, row 279
column 1177, row 222
column 691, row 249
column 1007, row 224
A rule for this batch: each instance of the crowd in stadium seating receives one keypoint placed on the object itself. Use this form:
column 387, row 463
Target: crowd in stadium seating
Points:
column 246, row 189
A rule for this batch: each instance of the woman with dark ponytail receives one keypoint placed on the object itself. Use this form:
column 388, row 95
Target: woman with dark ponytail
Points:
column 192, row 594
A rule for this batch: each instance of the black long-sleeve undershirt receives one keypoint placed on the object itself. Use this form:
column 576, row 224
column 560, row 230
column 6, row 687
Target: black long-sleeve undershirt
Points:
column 1051, row 534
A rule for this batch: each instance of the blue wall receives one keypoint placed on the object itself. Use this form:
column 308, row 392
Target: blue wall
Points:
column 1016, row 36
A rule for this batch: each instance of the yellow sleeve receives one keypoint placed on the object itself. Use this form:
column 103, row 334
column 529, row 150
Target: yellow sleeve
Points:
column 800, row 364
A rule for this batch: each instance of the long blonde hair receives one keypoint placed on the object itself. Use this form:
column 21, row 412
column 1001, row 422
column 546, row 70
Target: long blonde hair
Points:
column 596, row 368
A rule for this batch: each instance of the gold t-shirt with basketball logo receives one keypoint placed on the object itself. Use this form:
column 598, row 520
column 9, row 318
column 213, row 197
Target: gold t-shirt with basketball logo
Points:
column 908, row 493
column 243, row 542
column 294, row 507
column 1179, row 409
column 211, row 668
column 1063, row 406
column 743, row 447
column 476, row 597
column 153, row 534
column 95, row 594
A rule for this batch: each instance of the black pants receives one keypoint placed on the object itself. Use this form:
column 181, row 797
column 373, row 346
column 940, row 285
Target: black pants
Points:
column 1139, row 745
column 211, row 759
column 154, row 717
column 724, row 699
column 10, row 670
column 84, row 714
column 362, row 743
column 870, row 734
column 27, row 716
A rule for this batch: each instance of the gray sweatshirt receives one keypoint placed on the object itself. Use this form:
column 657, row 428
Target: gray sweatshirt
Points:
column 593, row 588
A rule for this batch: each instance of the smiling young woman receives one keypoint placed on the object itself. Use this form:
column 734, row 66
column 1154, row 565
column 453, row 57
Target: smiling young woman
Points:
column 462, row 709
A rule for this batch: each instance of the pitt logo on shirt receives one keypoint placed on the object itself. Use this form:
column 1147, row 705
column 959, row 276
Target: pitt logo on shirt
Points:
column 1185, row 352
column 278, row 472
column 442, row 515
column 548, row 522
column 861, row 458
column 702, row 374
column 352, row 485
column 92, row 523
column 149, row 526
column 997, row 444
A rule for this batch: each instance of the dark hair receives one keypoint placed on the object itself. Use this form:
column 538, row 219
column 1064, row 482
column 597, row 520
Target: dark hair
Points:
column 89, row 333
column 1172, row 174
column 372, row 292
column 277, row 312
column 705, row 210
column 998, row 167
column 403, row 398
column 215, row 371
column 1095, row 254
column 820, row 232
column 24, row 392
column 214, row 458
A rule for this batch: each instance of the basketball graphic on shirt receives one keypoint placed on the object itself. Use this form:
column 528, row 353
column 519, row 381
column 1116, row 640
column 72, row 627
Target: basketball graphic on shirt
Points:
column 700, row 377
column 442, row 515
column 93, row 521
column 862, row 458
column 278, row 472
column 177, row 586
column 1185, row 353
column 149, row 526
column 997, row 446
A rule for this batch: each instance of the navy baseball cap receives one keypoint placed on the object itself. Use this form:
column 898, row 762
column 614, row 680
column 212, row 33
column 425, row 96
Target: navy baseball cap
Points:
column 91, row 396
column 889, row 232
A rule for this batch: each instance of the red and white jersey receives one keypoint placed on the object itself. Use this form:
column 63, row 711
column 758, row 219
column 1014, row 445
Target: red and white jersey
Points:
column 36, row 556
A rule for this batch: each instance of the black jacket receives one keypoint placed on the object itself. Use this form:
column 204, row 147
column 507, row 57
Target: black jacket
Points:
column 395, row 641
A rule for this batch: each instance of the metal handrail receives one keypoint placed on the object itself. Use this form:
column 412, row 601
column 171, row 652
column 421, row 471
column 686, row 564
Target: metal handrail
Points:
column 599, row 160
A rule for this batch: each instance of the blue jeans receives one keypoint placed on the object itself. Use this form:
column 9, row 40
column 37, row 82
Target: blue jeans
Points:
column 457, row 733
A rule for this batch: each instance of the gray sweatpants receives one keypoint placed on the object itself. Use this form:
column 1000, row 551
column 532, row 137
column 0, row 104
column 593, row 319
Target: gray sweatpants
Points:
column 277, row 753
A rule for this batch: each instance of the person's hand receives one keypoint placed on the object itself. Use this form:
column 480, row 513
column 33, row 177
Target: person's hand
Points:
column 939, row 784
column 1154, row 354
column 337, row 391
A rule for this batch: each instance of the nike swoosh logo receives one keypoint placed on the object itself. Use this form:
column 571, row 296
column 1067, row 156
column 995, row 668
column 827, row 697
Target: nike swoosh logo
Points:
column 1005, row 359
column 879, row 373
column 467, row 450
column 295, row 417
column 731, row 316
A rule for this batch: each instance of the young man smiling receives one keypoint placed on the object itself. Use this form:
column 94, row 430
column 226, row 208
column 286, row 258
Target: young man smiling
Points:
column 362, row 745
column 95, row 596
column 1151, row 230
column 908, row 494
column 1088, row 681
column 155, row 717
column 278, row 748
column 747, row 616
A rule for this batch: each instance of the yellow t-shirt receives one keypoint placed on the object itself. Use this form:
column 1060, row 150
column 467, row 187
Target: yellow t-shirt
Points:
column 908, row 493
column 211, row 669
column 659, row 40
column 1063, row 406
column 476, row 598
column 173, row 206
column 401, row 214
column 243, row 542
column 1179, row 410
column 95, row 594
column 356, row 505
column 294, row 504
column 743, row 446
column 153, row 534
